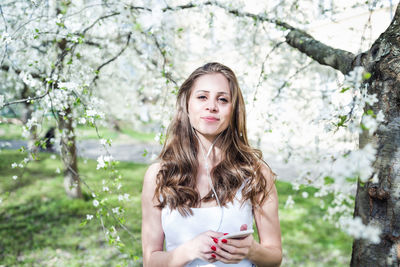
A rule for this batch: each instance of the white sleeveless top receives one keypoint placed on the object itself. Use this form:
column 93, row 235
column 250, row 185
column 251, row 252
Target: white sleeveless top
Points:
column 179, row 229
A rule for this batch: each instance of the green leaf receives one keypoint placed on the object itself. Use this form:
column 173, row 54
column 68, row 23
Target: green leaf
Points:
column 342, row 121
column 351, row 179
column 137, row 27
column 328, row 180
column 60, row 24
column 363, row 126
column 344, row 89
column 366, row 76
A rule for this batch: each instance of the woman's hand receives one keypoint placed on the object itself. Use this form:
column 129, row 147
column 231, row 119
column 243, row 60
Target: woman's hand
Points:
column 203, row 246
column 234, row 250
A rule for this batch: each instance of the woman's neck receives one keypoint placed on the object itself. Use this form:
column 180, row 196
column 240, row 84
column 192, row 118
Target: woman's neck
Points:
column 205, row 143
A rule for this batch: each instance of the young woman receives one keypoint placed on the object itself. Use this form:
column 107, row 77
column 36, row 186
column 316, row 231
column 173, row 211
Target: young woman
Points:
column 209, row 182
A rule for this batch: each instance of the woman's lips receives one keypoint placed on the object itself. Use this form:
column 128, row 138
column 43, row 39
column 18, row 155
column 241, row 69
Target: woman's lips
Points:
column 210, row 119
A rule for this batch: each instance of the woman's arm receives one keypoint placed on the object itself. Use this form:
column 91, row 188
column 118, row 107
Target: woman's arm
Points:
column 269, row 251
column 153, row 234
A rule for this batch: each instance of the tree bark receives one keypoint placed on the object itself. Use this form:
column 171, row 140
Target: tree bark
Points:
column 69, row 156
column 25, row 116
column 379, row 203
column 336, row 58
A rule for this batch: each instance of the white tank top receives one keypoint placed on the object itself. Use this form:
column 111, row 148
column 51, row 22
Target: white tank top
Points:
column 179, row 229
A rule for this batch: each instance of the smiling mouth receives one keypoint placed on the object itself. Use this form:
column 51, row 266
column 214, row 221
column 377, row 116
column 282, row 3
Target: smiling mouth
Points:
column 210, row 119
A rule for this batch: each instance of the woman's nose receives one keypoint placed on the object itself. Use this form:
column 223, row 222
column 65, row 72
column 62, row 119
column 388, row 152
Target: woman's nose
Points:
column 212, row 106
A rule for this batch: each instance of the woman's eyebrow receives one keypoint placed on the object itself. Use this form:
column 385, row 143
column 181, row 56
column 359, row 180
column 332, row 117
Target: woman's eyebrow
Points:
column 205, row 91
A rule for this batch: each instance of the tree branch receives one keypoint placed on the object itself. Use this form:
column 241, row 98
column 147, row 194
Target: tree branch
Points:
column 336, row 58
column 112, row 59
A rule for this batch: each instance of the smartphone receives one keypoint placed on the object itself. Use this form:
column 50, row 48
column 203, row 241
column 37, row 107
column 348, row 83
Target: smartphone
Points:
column 239, row 234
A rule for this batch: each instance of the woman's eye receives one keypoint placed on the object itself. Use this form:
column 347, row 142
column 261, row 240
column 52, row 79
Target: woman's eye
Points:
column 223, row 100
column 201, row 97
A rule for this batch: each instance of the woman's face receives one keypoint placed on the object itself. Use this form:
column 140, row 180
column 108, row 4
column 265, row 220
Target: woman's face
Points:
column 210, row 104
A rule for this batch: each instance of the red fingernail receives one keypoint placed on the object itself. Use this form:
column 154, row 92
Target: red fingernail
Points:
column 224, row 240
column 215, row 240
column 213, row 248
column 213, row 255
column 225, row 233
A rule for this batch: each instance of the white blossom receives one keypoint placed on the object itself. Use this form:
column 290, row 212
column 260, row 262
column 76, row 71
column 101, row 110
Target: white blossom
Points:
column 68, row 85
column 370, row 123
column 355, row 228
column 15, row 177
column 89, row 217
column 103, row 160
column 123, row 197
column 58, row 170
column 95, row 203
column 115, row 210
column 1, row 101
column 289, row 202
column 304, row 195
column 100, row 162
column 5, row 38
column 380, row 116
column 106, row 189
column 14, row 165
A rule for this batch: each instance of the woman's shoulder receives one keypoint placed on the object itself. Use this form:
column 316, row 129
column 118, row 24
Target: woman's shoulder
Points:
column 151, row 174
column 154, row 167
column 267, row 171
column 268, row 174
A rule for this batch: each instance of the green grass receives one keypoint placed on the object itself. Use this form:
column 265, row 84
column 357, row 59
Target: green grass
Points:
column 10, row 131
column 13, row 132
column 40, row 225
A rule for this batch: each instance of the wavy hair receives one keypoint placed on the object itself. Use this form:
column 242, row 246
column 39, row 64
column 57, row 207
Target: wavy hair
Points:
column 176, row 183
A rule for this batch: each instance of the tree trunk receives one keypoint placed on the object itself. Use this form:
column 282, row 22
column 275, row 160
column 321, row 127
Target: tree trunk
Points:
column 68, row 153
column 26, row 115
column 379, row 203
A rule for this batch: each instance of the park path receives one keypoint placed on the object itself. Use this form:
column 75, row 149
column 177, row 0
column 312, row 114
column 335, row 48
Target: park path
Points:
column 143, row 153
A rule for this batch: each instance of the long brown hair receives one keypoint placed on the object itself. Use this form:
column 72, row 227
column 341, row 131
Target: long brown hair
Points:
column 176, row 180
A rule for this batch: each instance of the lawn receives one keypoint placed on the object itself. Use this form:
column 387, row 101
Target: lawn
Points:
column 40, row 225
column 10, row 131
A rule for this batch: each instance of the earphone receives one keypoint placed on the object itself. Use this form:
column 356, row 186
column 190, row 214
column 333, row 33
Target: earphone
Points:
column 209, row 176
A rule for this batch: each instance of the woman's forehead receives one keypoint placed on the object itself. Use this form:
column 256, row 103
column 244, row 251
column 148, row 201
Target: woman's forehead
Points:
column 215, row 82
